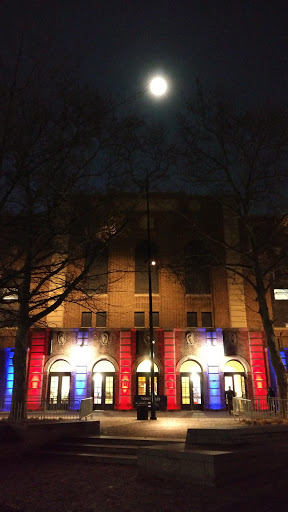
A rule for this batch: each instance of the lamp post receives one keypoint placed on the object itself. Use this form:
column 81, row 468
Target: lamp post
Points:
column 151, row 329
column 158, row 87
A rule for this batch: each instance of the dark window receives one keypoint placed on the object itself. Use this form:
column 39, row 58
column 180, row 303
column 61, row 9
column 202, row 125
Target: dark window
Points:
column 86, row 319
column 206, row 319
column 197, row 268
column 192, row 319
column 101, row 318
column 97, row 277
column 155, row 318
column 141, row 271
column 139, row 319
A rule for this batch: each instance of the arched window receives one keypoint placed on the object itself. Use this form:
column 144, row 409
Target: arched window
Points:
column 104, row 366
column 235, row 377
column 59, row 384
column 103, row 385
column 191, row 385
column 143, row 378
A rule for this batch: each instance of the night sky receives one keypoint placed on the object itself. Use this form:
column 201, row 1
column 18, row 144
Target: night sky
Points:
column 239, row 46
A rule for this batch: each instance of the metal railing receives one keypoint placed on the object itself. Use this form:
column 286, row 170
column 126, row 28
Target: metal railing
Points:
column 45, row 409
column 259, row 408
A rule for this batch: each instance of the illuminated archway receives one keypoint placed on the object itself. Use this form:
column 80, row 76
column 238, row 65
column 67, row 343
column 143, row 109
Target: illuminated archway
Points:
column 191, row 377
column 235, row 378
column 103, row 377
column 59, row 383
column 143, row 378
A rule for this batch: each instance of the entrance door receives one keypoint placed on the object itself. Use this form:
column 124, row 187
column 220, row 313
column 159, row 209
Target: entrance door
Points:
column 191, row 386
column 191, row 391
column 144, row 384
column 143, row 378
column 103, row 393
column 234, row 376
column 103, row 385
column 59, row 385
column 59, row 390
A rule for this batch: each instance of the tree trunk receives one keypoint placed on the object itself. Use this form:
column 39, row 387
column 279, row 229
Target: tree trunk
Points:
column 18, row 408
column 272, row 346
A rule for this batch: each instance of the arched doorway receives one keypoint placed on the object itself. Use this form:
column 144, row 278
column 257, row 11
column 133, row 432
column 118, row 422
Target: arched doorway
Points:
column 143, row 378
column 103, row 385
column 235, row 377
column 191, row 386
column 59, row 384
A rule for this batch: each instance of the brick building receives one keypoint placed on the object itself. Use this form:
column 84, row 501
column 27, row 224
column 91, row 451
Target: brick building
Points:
column 208, row 334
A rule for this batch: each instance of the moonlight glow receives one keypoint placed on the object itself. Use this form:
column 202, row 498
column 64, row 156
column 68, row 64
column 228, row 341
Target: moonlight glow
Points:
column 158, row 86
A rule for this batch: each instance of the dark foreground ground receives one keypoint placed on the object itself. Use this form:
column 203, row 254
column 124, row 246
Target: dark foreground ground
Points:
column 42, row 485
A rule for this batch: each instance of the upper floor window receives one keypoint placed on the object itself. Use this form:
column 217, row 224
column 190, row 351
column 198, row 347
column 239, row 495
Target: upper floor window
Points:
column 101, row 318
column 139, row 319
column 97, row 277
column 192, row 319
column 206, row 319
column 141, row 269
column 197, row 280
column 86, row 319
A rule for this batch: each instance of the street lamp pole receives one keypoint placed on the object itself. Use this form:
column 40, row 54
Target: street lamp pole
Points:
column 151, row 330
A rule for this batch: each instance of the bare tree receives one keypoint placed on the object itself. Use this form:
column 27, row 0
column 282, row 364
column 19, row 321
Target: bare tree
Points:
column 61, row 150
column 240, row 159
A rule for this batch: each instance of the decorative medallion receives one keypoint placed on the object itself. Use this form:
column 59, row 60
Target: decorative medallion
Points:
column 147, row 338
column 190, row 340
column 61, row 338
column 104, row 337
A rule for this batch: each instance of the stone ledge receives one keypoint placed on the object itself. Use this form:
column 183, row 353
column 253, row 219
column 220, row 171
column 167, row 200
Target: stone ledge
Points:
column 232, row 436
column 28, row 437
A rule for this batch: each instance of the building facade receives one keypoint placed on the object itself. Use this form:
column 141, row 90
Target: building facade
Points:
column 208, row 334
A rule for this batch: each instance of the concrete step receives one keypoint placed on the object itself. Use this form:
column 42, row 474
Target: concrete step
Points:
column 105, row 458
column 117, row 450
column 115, row 440
column 96, row 448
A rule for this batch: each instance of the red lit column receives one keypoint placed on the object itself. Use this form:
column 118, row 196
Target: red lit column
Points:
column 125, row 402
column 170, row 370
column 38, row 351
column 257, row 357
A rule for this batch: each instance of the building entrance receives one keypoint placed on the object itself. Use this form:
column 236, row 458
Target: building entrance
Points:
column 59, row 385
column 103, row 385
column 191, row 386
column 143, row 384
column 235, row 377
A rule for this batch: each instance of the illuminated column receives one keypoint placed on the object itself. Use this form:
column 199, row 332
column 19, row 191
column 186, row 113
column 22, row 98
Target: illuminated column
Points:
column 125, row 399
column 215, row 353
column 6, row 377
column 258, row 366
column 169, row 368
column 38, row 351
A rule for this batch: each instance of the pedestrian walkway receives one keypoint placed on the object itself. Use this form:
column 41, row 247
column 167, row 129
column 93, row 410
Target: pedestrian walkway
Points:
column 170, row 424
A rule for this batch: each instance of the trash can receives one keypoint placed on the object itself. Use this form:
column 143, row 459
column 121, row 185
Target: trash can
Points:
column 142, row 412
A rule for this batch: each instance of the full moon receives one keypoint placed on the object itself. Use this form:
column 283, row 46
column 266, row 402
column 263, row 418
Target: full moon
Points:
column 158, row 86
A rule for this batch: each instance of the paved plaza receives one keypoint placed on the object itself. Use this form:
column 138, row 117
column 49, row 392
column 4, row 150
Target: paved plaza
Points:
column 43, row 485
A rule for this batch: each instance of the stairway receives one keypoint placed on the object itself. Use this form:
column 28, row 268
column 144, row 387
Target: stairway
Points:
column 104, row 449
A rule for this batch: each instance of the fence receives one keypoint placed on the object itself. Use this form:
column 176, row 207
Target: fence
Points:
column 258, row 408
column 45, row 410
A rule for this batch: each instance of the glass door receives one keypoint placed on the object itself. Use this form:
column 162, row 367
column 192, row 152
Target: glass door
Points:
column 59, row 390
column 144, row 384
column 191, row 391
column 237, row 382
column 103, row 391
